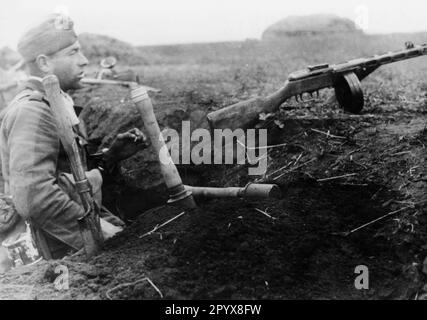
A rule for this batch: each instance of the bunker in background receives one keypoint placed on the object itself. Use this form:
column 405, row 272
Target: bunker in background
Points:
column 311, row 25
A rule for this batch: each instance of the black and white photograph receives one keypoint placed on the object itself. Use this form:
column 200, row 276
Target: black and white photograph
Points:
column 213, row 155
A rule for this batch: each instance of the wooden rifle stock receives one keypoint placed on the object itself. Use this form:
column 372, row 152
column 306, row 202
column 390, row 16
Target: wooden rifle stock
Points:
column 89, row 224
column 245, row 114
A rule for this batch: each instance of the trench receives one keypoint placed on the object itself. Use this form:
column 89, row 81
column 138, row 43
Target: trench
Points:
column 225, row 249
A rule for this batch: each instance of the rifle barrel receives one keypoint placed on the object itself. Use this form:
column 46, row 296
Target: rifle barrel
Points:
column 360, row 63
column 379, row 60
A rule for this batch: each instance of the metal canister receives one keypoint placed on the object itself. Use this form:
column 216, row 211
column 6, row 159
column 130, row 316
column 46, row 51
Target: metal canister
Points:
column 22, row 249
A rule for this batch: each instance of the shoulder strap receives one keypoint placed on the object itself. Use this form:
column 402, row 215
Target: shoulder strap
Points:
column 28, row 94
column 34, row 96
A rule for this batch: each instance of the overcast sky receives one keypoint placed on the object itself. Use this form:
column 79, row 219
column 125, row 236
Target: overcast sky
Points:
column 148, row 22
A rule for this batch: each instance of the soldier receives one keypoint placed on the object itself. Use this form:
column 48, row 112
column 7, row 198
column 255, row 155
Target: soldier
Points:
column 34, row 165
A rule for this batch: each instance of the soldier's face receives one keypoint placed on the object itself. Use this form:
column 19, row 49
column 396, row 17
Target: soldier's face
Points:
column 69, row 66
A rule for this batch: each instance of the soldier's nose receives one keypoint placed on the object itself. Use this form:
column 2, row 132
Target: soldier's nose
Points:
column 83, row 61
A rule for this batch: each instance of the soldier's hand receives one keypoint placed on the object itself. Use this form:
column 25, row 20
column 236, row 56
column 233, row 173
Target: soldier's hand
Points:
column 127, row 144
column 109, row 230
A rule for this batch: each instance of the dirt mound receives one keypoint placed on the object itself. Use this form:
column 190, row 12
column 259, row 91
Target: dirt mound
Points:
column 140, row 176
column 268, row 249
column 97, row 47
column 319, row 24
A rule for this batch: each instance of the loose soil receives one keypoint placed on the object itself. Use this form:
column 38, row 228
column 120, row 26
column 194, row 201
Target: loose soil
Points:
column 226, row 249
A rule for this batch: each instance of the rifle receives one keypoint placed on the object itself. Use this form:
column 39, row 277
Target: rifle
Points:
column 344, row 78
column 89, row 224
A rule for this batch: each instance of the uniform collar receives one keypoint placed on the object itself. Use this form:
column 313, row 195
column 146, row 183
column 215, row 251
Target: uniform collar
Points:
column 35, row 84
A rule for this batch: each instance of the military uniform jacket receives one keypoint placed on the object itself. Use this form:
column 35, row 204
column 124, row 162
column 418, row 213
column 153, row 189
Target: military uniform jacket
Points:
column 32, row 160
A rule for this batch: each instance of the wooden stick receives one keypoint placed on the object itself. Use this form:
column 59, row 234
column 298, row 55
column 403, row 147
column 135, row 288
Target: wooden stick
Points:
column 293, row 169
column 128, row 284
column 400, row 153
column 337, row 177
column 378, row 219
column 280, row 169
column 328, row 134
column 265, row 213
column 157, row 227
column 264, row 147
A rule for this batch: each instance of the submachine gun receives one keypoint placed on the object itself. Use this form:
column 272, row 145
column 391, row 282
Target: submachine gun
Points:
column 344, row 78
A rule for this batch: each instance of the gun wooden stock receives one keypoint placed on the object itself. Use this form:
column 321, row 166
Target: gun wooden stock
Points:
column 245, row 114
column 89, row 224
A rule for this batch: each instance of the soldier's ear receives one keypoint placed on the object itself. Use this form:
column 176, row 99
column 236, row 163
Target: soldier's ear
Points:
column 43, row 64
